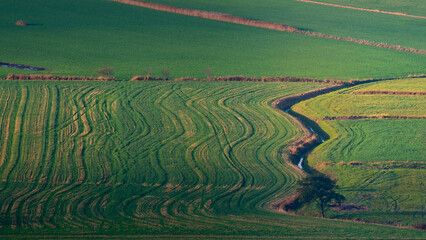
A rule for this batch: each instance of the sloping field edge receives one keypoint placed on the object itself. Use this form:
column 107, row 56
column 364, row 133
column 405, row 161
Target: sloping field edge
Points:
column 362, row 9
column 261, row 24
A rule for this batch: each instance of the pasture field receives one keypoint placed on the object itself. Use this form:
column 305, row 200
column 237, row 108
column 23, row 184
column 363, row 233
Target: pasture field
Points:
column 416, row 7
column 346, row 103
column 379, row 163
column 82, row 36
column 152, row 158
column 410, row 85
column 395, row 30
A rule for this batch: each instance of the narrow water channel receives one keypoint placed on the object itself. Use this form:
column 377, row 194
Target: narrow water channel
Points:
column 20, row 66
column 321, row 138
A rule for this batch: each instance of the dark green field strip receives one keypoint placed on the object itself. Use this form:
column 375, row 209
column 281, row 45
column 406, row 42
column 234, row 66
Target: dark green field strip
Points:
column 395, row 30
column 63, row 42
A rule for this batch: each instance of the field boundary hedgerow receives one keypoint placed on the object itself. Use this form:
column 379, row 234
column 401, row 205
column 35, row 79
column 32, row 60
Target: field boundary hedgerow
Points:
column 363, row 9
column 358, row 117
column 261, row 24
column 41, row 77
column 372, row 92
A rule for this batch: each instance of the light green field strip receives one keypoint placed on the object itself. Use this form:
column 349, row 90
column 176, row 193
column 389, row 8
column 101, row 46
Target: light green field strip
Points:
column 344, row 103
column 409, row 85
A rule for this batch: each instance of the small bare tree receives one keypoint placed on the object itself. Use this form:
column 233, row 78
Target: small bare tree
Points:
column 105, row 71
column 147, row 72
column 166, row 73
column 208, row 72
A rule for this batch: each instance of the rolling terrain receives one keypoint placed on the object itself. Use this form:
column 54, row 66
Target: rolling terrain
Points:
column 391, row 29
column 151, row 158
column 105, row 147
column 379, row 161
column 81, row 37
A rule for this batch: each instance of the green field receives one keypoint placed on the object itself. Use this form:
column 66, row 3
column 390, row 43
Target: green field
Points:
column 395, row 30
column 82, row 36
column 201, row 159
column 152, row 158
column 345, row 103
column 379, row 164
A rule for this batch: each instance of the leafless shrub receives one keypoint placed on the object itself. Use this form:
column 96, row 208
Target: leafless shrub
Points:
column 147, row 72
column 166, row 73
column 105, row 71
column 208, row 72
column 421, row 226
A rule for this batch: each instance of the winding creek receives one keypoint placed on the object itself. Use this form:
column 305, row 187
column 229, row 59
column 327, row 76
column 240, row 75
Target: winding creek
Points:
column 310, row 128
column 285, row 105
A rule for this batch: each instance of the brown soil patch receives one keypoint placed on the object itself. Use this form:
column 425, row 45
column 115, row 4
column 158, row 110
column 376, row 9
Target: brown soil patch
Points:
column 363, row 9
column 261, row 24
column 348, row 207
column 287, row 204
column 21, row 23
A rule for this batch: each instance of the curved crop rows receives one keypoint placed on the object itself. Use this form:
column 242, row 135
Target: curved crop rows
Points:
column 151, row 158
column 153, row 155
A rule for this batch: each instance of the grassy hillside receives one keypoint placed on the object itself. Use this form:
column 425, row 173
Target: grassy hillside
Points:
column 151, row 158
column 395, row 30
column 80, row 37
column 379, row 164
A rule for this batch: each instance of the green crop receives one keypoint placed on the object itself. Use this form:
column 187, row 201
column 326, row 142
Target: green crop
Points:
column 80, row 37
column 379, row 163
